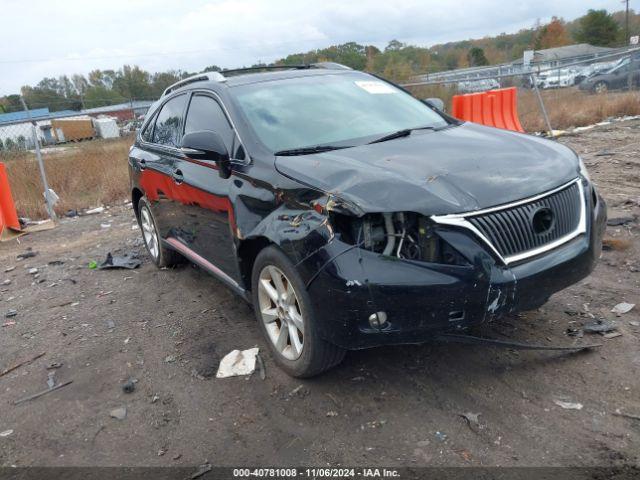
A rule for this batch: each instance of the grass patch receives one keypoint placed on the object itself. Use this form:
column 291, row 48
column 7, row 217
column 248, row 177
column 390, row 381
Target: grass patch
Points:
column 82, row 174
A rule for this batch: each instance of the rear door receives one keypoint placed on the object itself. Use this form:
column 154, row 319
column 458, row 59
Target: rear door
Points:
column 159, row 176
column 207, row 220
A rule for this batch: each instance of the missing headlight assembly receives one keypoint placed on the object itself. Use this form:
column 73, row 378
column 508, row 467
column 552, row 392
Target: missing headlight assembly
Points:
column 404, row 235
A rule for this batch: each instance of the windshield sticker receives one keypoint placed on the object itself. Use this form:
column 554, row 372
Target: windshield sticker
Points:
column 375, row 88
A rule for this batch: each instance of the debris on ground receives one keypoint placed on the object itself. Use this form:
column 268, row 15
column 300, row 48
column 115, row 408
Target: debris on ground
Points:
column 619, row 244
column 54, row 365
column 11, row 313
column 6, row 282
column 263, row 370
column 93, row 265
column 332, row 413
column 93, row 211
column 8, row 323
column 33, row 271
column 202, row 469
column 237, row 363
column 71, row 213
column 27, row 254
column 168, row 358
column 129, row 386
column 20, row 364
column 600, row 326
column 619, row 221
column 43, row 392
column 622, row 308
column 125, row 261
column 568, row 405
column 612, row 334
column 9, row 269
column 441, row 436
column 472, row 420
column 51, row 380
column 619, row 413
column 6, row 433
column 119, row 413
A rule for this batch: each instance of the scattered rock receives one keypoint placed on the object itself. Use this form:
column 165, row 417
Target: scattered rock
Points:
column 27, row 254
column 6, row 282
column 169, row 359
column 119, row 413
column 33, row 271
column 612, row 334
column 6, row 433
column 129, row 386
column 9, row 269
column 161, row 452
column 332, row 413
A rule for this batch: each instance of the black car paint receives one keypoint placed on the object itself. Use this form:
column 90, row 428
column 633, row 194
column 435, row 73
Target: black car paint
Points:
column 286, row 201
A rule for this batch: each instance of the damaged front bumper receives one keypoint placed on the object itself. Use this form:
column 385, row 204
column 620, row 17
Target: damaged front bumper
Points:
column 348, row 284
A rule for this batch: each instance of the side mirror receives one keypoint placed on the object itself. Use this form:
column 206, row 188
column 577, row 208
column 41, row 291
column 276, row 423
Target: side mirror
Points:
column 435, row 103
column 207, row 146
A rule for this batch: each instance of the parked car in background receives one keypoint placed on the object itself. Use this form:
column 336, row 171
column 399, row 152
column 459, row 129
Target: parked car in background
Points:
column 626, row 71
column 473, row 86
column 351, row 214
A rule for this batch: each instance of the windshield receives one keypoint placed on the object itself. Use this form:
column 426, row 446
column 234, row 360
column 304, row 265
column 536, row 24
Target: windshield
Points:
column 344, row 109
column 622, row 62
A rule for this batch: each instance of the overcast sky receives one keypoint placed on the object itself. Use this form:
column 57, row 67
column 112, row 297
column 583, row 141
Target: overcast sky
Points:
column 47, row 38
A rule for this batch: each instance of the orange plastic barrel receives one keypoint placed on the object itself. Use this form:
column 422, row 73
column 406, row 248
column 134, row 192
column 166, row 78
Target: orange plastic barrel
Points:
column 8, row 214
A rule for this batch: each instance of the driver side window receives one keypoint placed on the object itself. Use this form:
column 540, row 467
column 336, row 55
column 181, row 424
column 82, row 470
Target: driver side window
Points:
column 205, row 113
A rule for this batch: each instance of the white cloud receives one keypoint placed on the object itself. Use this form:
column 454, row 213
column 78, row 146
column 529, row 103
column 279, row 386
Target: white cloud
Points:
column 76, row 36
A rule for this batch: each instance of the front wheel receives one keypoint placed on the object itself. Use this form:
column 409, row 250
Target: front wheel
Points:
column 286, row 317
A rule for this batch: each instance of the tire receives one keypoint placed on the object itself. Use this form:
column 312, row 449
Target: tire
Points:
column 161, row 255
column 600, row 87
column 303, row 353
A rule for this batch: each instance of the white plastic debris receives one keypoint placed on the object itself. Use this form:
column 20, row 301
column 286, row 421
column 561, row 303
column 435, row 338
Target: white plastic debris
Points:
column 568, row 405
column 623, row 307
column 95, row 210
column 238, row 362
column 6, row 433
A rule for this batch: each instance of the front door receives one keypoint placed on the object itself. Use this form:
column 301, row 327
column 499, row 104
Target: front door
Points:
column 207, row 219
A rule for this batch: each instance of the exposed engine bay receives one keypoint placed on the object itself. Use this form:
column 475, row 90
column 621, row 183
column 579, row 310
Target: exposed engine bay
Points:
column 404, row 235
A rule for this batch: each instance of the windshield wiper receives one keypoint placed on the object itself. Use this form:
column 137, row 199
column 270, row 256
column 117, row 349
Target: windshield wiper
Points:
column 308, row 150
column 400, row 133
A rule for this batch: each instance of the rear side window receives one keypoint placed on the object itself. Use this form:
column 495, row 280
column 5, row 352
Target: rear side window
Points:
column 206, row 114
column 168, row 127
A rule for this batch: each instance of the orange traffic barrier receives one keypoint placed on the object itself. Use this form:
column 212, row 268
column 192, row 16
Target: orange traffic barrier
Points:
column 8, row 214
column 494, row 108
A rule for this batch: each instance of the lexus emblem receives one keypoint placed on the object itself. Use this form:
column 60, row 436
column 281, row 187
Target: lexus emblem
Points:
column 542, row 220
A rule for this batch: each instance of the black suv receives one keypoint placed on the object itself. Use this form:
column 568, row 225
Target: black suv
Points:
column 352, row 214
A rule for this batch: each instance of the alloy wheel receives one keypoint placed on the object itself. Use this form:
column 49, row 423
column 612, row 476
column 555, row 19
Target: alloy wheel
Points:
column 149, row 232
column 280, row 312
column 600, row 87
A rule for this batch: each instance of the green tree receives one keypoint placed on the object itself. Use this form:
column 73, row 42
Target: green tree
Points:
column 133, row 82
column 476, row 57
column 100, row 96
column 598, row 27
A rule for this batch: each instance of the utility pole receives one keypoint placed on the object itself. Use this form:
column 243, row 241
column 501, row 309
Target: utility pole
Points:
column 626, row 22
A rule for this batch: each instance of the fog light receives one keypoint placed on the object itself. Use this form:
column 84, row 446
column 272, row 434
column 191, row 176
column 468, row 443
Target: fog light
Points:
column 378, row 320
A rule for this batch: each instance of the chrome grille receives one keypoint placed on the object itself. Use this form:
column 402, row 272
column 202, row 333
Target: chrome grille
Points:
column 511, row 230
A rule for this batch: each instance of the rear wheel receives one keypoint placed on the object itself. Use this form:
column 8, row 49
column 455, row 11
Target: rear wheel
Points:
column 285, row 315
column 161, row 256
column 601, row 87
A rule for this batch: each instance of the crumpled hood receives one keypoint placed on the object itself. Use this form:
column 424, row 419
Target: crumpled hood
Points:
column 455, row 170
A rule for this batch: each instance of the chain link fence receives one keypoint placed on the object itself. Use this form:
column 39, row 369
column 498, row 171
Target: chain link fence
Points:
column 570, row 91
column 60, row 162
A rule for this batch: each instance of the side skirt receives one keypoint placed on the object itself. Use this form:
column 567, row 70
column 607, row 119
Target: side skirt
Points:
column 206, row 265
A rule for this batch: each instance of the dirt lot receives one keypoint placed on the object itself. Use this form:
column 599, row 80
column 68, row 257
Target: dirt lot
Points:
column 389, row 406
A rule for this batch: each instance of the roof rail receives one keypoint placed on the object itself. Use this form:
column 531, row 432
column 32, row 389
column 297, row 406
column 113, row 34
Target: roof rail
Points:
column 331, row 66
column 200, row 77
column 265, row 67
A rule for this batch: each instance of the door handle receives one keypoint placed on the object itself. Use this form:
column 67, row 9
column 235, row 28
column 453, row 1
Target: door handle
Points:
column 177, row 176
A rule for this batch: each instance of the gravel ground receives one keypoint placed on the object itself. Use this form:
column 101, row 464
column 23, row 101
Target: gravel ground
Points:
column 393, row 406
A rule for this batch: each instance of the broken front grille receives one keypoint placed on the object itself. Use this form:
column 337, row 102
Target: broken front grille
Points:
column 525, row 229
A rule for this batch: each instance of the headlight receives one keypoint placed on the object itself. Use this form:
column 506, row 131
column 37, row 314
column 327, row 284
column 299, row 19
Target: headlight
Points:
column 583, row 170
